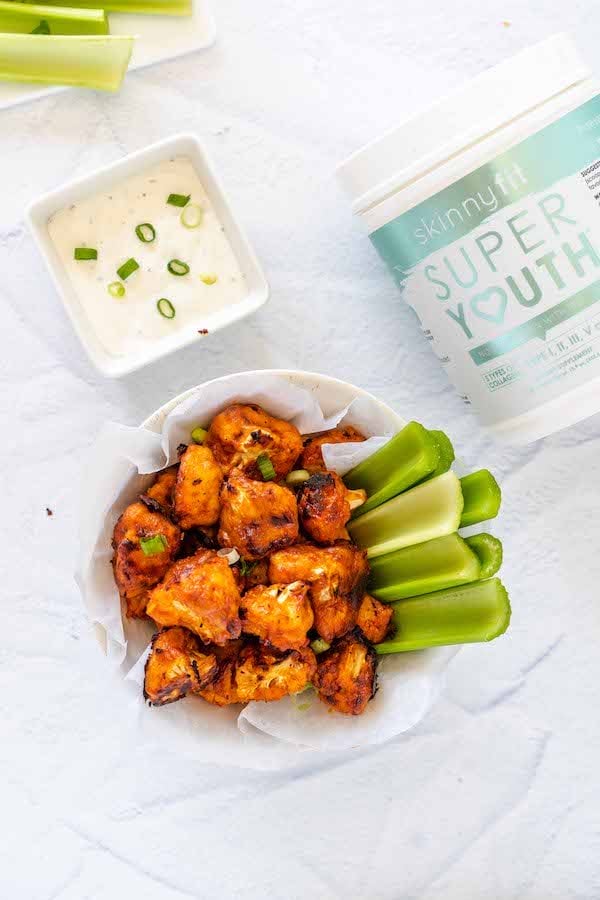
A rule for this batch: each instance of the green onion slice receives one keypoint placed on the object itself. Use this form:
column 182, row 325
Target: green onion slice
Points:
column 298, row 476
column 42, row 28
column 266, row 467
column 127, row 269
column 199, row 435
column 178, row 199
column 319, row 645
column 85, row 253
column 146, row 232
column 165, row 308
column 116, row 289
column 177, row 267
column 192, row 215
column 152, row 546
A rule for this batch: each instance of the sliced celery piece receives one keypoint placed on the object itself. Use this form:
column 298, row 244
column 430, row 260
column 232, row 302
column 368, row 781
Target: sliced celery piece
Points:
column 482, row 497
column 489, row 551
column 442, row 563
column 460, row 615
column 446, row 452
column 427, row 511
column 24, row 18
column 148, row 7
column 78, row 60
column 407, row 458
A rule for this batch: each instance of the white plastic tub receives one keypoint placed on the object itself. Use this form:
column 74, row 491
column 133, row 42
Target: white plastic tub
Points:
column 486, row 208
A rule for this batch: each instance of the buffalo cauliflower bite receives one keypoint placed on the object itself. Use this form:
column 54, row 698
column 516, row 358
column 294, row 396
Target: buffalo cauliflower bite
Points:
column 262, row 674
column 196, row 498
column 257, row 517
column 346, row 675
column 199, row 593
column 279, row 614
column 325, row 505
column 242, row 432
column 161, row 490
column 374, row 619
column 312, row 455
column 337, row 576
column 145, row 543
column 175, row 666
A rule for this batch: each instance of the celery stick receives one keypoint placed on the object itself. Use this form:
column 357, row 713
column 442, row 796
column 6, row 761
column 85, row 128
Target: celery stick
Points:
column 148, row 7
column 482, row 497
column 489, row 551
column 460, row 615
column 24, row 18
column 428, row 511
column 446, row 452
column 442, row 563
column 83, row 61
column 407, row 458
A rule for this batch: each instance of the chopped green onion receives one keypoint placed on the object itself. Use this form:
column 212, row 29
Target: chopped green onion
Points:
column 444, row 562
column 81, row 60
column 177, row 267
column 319, row 645
column 127, row 269
column 85, row 253
column 152, row 546
column 199, row 435
column 30, row 18
column 266, row 467
column 178, row 199
column 488, row 549
column 407, row 458
column 298, row 476
column 42, row 28
column 192, row 215
column 482, row 497
column 145, row 232
column 209, row 278
column 230, row 554
column 165, row 308
column 246, row 567
column 429, row 510
column 116, row 289
column 462, row 615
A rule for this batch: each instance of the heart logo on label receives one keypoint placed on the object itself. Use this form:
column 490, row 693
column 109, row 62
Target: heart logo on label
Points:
column 490, row 305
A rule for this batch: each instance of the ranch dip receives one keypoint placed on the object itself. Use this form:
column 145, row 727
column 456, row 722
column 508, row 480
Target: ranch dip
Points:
column 107, row 222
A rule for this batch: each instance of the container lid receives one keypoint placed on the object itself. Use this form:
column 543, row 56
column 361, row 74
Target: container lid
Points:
column 484, row 104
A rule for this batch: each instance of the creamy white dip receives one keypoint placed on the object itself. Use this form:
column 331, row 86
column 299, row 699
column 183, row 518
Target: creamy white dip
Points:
column 107, row 222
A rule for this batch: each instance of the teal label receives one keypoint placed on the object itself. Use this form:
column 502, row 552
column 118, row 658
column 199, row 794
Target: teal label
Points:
column 503, row 268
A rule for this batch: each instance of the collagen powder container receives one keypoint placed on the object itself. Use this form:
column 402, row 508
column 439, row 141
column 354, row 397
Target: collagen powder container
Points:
column 486, row 209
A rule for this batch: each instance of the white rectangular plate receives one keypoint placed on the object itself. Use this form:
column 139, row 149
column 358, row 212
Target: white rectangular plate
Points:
column 157, row 38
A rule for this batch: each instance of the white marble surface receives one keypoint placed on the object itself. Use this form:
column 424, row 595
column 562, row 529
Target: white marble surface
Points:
column 497, row 793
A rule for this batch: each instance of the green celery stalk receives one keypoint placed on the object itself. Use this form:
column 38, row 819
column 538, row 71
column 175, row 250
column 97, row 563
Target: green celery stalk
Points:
column 446, row 453
column 482, row 497
column 442, row 563
column 489, row 551
column 407, row 458
column 91, row 61
column 427, row 511
column 24, row 18
column 461, row 615
column 148, row 7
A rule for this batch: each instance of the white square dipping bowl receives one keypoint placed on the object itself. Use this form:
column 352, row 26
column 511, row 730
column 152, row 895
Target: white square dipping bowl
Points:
column 40, row 211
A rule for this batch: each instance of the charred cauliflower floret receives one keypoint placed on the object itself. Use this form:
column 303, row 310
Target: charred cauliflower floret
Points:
column 257, row 517
column 176, row 665
column 337, row 576
column 312, row 455
column 374, row 619
column 197, row 491
column 279, row 614
column 262, row 674
column 242, row 432
column 145, row 542
column 325, row 505
column 199, row 593
column 346, row 675
column 161, row 490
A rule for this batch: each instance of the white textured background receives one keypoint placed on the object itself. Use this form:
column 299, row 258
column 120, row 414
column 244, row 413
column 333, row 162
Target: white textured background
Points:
column 497, row 794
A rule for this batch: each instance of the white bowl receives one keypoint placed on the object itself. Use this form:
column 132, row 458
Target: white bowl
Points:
column 42, row 209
